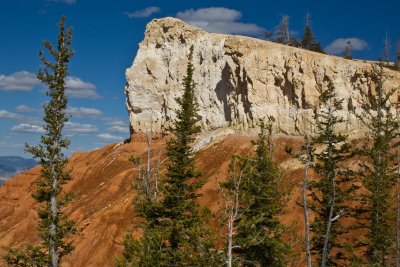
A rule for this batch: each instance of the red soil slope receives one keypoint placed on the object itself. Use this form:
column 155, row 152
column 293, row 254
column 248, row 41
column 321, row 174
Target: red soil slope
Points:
column 102, row 206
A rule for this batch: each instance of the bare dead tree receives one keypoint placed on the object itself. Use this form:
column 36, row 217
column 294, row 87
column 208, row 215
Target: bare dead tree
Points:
column 231, row 193
column 398, row 55
column 149, row 177
column 348, row 50
column 282, row 34
column 386, row 48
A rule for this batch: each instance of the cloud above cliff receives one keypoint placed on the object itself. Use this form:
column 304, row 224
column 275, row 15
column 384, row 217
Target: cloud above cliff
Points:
column 338, row 46
column 84, row 112
column 72, row 128
column 21, row 81
column 219, row 20
column 77, row 88
column 143, row 13
column 107, row 136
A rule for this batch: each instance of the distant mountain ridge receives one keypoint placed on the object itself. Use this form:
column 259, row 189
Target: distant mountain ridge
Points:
column 12, row 165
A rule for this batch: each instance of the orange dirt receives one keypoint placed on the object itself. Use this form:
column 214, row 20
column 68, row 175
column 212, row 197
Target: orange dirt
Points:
column 102, row 206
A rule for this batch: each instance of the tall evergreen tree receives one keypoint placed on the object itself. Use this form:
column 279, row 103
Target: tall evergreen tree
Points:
column 380, row 116
column 308, row 42
column 54, row 226
column 175, row 233
column 328, row 190
column 259, row 232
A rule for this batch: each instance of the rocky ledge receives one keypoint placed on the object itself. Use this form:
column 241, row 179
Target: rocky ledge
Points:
column 239, row 80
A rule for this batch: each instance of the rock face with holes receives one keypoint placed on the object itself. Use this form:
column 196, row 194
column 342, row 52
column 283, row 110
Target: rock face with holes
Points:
column 239, row 80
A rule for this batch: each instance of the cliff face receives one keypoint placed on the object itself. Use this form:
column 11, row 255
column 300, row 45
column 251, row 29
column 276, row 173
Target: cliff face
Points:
column 239, row 80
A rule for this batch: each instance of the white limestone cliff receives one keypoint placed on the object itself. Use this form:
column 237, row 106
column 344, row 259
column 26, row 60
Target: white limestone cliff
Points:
column 239, row 80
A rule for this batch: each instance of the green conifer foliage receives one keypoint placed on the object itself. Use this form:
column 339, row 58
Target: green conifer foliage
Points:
column 54, row 226
column 308, row 42
column 329, row 190
column 259, row 229
column 380, row 159
column 174, row 233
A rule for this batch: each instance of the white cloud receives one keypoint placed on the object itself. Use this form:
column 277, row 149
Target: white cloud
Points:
column 143, row 13
column 77, row 88
column 4, row 114
column 338, row 46
column 118, row 129
column 25, row 109
column 108, row 136
column 21, row 81
column 116, row 123
column 219, row 20
column 27, row 128
column 79, row 128
column 82, row 112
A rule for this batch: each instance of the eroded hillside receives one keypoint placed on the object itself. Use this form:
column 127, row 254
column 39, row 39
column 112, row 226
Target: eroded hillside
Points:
column 102, row 206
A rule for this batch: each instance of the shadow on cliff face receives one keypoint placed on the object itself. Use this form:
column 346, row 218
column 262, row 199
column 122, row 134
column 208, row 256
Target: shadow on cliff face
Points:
column 223, row 90
column 233, row 95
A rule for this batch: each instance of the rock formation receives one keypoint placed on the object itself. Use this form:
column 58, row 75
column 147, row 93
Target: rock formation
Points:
column 239, row 80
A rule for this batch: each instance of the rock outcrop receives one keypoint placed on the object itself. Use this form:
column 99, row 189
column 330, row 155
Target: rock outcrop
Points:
column 239, row 80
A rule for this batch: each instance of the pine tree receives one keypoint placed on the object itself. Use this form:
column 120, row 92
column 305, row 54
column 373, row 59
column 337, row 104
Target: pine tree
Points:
column 54, row 226
column 327, row 192
column 175, row 232
column 308, row 42
column 381, row 119
column 259, row 232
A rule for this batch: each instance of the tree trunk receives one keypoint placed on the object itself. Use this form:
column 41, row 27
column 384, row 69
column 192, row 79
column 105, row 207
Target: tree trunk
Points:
column 147, row 178
column 332, row 199
column 54, row 256
column 230, row 237
column 304, row 193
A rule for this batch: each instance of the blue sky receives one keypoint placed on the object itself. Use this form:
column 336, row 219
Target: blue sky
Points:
column 105, row 39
